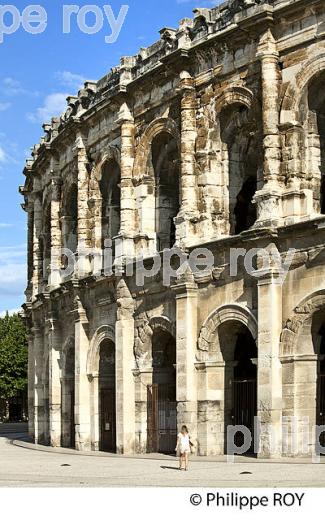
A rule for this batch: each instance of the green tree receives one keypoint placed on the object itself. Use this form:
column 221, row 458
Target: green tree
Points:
column 13, row 356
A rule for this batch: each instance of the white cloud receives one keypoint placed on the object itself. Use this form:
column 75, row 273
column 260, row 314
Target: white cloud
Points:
column 12, row 272
column 3, row 156
column 54, row 105
column 8, row 152
column 71, row 80
column 11, row 253
column 11, row 87
column 4, row 106
column 200, row 3
column 10, row 312
column 4, row 225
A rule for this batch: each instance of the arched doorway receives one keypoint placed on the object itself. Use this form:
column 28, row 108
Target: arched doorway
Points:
column 162, row 406
column 240, row 390
column 107, row 397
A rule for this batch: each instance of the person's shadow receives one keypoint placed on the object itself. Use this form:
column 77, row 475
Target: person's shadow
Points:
column 169, row 467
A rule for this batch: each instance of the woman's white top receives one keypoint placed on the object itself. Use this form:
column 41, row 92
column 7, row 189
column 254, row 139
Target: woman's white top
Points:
column 184, row 442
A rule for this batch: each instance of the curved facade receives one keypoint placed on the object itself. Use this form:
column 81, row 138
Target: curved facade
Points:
column 214, row 138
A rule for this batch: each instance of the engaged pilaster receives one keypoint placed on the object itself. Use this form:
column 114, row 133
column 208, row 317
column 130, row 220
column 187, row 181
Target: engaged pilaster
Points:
column 269, row 366
column 54, row 335
column 39, row 403
column 125, row 384
column 186, row 345
column 82, row 386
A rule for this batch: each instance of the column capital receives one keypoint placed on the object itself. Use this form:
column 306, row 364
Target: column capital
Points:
column 267, row 46
column 79, row 312
column 125, row 301
column 185, row 285
column 124, row 114
column 186, row 82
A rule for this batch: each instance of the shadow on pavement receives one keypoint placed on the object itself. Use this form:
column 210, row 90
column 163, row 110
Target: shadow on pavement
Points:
column 14, row 431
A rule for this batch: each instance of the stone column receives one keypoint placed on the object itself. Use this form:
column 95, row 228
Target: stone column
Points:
column 125, row 386
column 39, row 415
column 84, row 230
column 56, row 233
column 268, row 199
column 188, row 215
column 82, row 385
column 186, row 347
column 269, row 365
column 29, row 207
column 55, row 404
column 125, row 242
column 37, row 252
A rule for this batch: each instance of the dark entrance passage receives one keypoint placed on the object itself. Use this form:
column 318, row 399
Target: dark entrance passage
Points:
column 321, row 385
column 245, row 386
column 68, row 400
column 108, row 421
column 107, row 399
column 161, row 395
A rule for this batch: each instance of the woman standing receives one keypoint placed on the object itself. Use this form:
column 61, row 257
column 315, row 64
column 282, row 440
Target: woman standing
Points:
column 183, row 447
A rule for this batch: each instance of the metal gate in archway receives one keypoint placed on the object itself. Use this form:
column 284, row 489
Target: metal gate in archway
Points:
column 245, row 408
column 161, row 418
column 321, row 406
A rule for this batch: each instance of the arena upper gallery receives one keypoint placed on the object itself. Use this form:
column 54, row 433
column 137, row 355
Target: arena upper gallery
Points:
column 212, row 137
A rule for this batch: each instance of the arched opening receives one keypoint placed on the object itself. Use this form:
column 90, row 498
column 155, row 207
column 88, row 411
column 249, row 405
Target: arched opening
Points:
column 107, row 396
column 245, row 210
column 240, row 388
column 165, row 162
column 68, row 399
column 110, row 189
column 242, row 158
column 70, row 220
column 162, row 406
column 316, row 131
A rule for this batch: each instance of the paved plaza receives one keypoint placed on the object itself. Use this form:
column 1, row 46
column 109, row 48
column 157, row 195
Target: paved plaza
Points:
column 23, row 466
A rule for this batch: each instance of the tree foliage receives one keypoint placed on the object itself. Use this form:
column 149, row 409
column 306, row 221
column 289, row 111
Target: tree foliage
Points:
column 13, row 356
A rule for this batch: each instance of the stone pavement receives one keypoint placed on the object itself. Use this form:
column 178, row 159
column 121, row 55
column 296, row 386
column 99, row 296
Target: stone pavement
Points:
column 26, row 465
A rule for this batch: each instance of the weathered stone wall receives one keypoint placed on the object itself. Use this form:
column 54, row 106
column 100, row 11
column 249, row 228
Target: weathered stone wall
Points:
column 231, row 103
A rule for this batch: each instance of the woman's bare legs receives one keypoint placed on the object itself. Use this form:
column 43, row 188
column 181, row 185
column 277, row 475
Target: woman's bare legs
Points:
column 186, row 461
column 182, row 459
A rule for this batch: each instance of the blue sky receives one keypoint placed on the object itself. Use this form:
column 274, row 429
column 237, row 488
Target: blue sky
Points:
column 36, row 74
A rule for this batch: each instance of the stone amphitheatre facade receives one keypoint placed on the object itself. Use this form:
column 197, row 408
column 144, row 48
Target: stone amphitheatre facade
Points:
column 212, row 137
